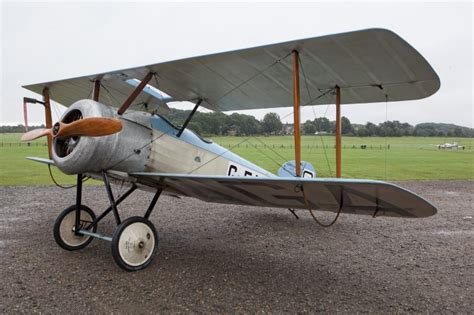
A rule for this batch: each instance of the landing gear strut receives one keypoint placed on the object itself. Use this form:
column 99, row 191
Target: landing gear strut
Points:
column 134, row 242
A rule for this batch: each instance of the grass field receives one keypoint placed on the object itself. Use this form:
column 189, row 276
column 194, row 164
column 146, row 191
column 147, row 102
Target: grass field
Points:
column 405, row 158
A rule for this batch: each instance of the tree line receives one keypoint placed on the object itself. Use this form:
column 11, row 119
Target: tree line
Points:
column 393, row 128
column 220, row 124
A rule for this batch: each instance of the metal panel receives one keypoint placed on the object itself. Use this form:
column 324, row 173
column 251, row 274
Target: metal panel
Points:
column 369, row 66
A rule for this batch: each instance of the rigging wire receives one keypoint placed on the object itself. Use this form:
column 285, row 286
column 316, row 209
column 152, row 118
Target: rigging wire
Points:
column 322, row 94
column 314, row 112
column 109, row 95
column 247, row 139
column 142, row 147
column 252, row 77
column 268, row 156
column 311, row 211
column 229, row 92
column 217, row 156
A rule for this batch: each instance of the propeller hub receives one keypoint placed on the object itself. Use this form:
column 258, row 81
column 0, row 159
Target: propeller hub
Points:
column 55, row 129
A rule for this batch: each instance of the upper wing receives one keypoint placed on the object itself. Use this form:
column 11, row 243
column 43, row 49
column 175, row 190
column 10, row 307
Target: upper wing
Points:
column 371, row 65
column 353, row 196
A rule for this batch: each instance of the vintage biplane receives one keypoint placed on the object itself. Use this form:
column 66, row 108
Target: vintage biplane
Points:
column 115, row 130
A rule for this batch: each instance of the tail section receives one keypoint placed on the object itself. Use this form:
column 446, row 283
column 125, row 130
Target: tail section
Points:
column 288, row 169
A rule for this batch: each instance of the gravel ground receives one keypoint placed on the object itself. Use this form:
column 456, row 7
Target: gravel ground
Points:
column 217, row 258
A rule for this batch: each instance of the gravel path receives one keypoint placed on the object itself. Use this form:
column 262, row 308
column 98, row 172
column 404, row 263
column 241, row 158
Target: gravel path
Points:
column 216, row 258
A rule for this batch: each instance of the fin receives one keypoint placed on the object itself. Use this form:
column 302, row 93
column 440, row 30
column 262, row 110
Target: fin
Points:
column 288, row 170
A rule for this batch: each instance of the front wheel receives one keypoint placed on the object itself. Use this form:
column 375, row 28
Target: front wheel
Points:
column 134, row 243
column 65, row 225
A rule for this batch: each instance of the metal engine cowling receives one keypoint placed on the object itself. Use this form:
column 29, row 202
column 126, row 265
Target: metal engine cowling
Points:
column 125, row 151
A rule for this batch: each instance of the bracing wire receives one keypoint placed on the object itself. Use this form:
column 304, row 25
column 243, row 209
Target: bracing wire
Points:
column 252, row 77
column 217, row 156
column 229, row 92
column 311, row 211
column 142, row 147
column 109, row 94
column 314, row 113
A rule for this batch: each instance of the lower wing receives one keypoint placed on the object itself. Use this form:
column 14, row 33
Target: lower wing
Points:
column 356, row 196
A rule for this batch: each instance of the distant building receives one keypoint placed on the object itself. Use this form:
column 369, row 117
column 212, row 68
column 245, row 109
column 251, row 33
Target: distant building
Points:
column 288, row 129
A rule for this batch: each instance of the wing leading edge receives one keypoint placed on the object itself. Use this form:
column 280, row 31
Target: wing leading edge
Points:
column 354, row 196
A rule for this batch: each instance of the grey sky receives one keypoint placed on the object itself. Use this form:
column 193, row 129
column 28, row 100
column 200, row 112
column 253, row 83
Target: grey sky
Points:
column 48, row 41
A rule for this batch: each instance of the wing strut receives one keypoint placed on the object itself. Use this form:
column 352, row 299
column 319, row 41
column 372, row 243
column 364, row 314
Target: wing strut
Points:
column 296, row 112
column 338, row 133
column 189, row 118
column 48, row 118
column 96, row 90
column 135, row 93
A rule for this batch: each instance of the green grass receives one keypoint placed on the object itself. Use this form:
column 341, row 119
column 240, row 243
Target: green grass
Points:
column 16, row 170
column 408, row 158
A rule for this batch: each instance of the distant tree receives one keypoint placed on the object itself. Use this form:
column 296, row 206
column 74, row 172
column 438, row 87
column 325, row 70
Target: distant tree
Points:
column 309, row 128
column 18, row 128
column 346, row 126
column 458, row 132
column 371, row 129
column 407, row 129
column 362, row 132
column 322, row 124
column 217, row 123
column 271, row 123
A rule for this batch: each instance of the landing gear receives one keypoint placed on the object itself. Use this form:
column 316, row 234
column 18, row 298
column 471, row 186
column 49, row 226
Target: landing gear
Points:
column 134, row 243
column 65, row 227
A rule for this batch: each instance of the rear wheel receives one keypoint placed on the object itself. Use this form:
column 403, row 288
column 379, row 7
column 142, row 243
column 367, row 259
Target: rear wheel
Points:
column 64, row 228
column 134, row 243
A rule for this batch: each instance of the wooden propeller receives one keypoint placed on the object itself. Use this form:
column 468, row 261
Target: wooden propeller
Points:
column 89, row 127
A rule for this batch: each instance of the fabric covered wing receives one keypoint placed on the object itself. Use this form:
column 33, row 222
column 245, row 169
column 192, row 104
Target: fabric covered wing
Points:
column 354, row 196
column 371, row 65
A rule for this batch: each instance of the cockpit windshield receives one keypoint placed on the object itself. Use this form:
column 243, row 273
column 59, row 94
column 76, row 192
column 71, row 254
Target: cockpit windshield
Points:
column 179, row 128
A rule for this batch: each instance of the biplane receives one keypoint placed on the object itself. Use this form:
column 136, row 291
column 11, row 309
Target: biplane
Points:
column 115, row 130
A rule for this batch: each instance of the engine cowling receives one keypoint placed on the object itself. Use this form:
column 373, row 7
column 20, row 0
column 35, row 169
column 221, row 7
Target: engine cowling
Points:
column 126, row 151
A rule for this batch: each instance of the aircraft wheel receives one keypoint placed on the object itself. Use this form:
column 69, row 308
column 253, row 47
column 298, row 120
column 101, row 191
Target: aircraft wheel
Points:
column 64, row 228
column 134, row 243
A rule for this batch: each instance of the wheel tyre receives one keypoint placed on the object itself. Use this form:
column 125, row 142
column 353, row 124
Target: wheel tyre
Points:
column 134, row 243
column 63, row 229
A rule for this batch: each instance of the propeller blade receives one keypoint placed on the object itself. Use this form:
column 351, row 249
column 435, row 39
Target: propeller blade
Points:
column 90, row 127
column 35, row 134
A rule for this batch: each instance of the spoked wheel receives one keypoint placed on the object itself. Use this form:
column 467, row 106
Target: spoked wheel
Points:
column 64, row 228
column 134, row 243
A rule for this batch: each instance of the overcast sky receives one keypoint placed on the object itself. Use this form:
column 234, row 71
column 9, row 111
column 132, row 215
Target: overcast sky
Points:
column 44, row 41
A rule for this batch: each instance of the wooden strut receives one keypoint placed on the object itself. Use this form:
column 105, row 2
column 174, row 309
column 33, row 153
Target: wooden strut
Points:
column 296, row 113
column 96, row 90
column 338, row 133
column 135, row 93
column 48, row 119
